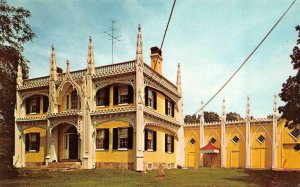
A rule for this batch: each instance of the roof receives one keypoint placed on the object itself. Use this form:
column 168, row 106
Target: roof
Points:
column 209, row 148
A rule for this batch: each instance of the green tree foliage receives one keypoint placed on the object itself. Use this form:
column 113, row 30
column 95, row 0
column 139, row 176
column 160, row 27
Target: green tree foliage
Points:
column 14, row 32
column 232, row 116
column 211, row 117
column 290, row 92
column 191, row 119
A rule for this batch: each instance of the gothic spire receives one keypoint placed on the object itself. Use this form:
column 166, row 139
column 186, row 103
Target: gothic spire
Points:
column 139, row 47
column 178, row 81
column 53, row 68
column 91, row 60
column 275, row 111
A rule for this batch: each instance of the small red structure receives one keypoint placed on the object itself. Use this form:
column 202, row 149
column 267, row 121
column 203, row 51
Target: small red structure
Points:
column 209, row 148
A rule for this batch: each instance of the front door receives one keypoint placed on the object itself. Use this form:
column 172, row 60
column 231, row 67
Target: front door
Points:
column 73, row 146
column 235, row 159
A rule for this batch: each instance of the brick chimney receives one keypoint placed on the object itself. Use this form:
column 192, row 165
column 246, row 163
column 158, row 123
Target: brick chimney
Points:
column 156, row 59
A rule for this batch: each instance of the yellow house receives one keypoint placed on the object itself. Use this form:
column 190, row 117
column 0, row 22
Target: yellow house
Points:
column 124, row 115
column 249, row 143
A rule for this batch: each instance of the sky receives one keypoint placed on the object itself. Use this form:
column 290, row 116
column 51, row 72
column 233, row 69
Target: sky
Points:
column 209, row 38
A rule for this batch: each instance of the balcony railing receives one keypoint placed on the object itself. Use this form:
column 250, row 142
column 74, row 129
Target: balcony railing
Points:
column 115, row 68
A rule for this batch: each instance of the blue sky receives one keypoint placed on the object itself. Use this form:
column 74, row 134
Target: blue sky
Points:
column 210, row 38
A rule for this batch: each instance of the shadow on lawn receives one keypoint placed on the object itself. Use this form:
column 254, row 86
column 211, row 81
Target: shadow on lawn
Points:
column 268, row 178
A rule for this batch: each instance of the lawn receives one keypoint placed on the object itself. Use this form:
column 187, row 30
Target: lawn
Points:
column 175, row 177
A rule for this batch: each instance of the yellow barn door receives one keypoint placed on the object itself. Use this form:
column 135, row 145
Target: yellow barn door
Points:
column 261, row 158
column 235, row 159
column 191, row 159
column 290, row 157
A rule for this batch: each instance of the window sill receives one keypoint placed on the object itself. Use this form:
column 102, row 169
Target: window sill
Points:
column 32, row 151
column 122, row 149
column 150, row 150
column 169, row 153
column 101, row 149
column 101, row 106
column 121, row 104
column 32, row 113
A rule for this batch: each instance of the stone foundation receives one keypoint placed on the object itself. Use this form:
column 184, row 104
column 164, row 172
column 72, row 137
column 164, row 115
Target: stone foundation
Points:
column 115, row 165
column 34, row 164
column 155, row 165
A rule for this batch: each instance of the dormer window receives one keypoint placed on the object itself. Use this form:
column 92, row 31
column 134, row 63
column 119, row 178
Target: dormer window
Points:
column 150, row 98
column 123, row 94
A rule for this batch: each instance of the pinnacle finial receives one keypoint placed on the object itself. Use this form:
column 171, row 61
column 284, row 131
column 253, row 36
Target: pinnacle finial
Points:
column 139, row 46
column 275, row 104
column 53, row 68
column 90, row 60
column 90, row 38
column 178, row 81
column 248, row 107
column 139, row 28
column 68, row 66
column 19, row 74
column 52, row 47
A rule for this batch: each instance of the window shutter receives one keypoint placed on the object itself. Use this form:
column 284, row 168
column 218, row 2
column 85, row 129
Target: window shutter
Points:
column 172, row 144
column 146, row 138
column 130, row 137
column 27, row 103
column 154, row 100
column 154, row 140
column 38, row 104
column 116, row 95
column 107, row 96
column 106, row 138
column 130, row 94
column 166, row 106
column 45, row 104
column 115, row 138
column 27, row 142
column 146, row 96
column 37, row 142
column 173, row 106
column 166, row 143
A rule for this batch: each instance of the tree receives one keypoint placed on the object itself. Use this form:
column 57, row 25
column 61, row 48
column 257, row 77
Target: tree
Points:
column 191, row 119
column 233, row 116
column 290, row 92
column 211, row 117
column 14, row 32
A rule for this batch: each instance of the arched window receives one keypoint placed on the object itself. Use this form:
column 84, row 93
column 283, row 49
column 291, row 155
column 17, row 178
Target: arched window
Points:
column 74, row 99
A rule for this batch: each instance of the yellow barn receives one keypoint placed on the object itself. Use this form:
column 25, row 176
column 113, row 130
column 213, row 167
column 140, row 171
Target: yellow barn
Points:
column 249, row 143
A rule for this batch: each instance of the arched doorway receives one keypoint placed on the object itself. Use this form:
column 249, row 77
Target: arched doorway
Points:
column 71, row 143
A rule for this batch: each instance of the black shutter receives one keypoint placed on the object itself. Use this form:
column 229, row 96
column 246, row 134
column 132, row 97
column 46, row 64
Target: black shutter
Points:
column 37, row 142
column 45, row 104
column 115, row 138
column 27, row 142
column 27, row 103
column 154, row 140
column 172, row 144
column 38, row 104
column 130, row 94
column 146, row 96
column 130, row 137
column 116, row 95
column 146, row 138
column 154, row 100
column 173, row 106
column 166, row 106
column 106, row 138
column 107, row 96
column 166, row 143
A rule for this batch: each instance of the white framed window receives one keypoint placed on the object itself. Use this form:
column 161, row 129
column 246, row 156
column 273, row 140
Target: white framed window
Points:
column 100, row 137
column 123, row 94
column 123, row 138
column 151, row 98
column 33, row 105
column 169, row 108
column 74, row 99
column 150, row 140
column 169, row 144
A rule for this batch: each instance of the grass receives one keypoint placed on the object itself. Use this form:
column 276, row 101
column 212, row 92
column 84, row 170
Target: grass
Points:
column 175, row 177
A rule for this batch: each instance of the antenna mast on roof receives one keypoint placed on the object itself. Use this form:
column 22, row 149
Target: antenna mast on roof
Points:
column 113, row 38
